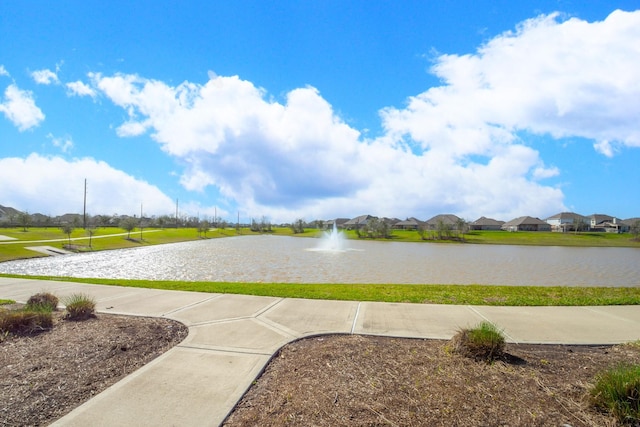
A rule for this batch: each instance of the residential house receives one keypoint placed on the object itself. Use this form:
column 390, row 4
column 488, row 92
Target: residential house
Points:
column 567, row 221
column 358, row 222
column 606, row 223
column 484, row 223
column 526, row 223
column 446, row 219
column 408, row 224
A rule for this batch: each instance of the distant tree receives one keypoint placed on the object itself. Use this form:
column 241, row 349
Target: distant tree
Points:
column 67, row 229
column 635, row 230
column 90, row 230
column 25, row 220
column 203, row 228
column 128, row 224
column 579, row 225
column 423, row 232
column 461, row 227
column 298, row 226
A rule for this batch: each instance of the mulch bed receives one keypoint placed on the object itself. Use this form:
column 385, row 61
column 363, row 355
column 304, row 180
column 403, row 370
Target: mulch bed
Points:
column 44, row 376
column 375, row 381
column 322, row 381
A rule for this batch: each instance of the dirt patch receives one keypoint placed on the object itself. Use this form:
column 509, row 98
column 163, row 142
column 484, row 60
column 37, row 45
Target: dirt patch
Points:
column 374, row 381
column 45, row 376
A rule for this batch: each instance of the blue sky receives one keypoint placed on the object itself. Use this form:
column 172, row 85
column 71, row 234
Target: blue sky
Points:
column 323, row 109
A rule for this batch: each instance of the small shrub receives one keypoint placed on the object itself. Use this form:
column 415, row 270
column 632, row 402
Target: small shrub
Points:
column 43, row 301
column 80, row 307
column 25, row 321
column 484, row 342
column 617, row 390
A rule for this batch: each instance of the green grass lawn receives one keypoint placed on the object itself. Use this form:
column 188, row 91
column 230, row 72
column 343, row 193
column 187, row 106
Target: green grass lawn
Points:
column 422, row 294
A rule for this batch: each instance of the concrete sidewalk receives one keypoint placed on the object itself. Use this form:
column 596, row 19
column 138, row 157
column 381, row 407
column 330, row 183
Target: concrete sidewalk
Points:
column 232, row 337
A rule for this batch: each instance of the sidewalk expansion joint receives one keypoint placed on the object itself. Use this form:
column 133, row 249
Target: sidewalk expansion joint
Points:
column 184, row 307
column 355, row 318
column 226, row 350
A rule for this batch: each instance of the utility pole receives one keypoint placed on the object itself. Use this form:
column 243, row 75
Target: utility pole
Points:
column 176, row 213
column 84, row 210
column 141, row 221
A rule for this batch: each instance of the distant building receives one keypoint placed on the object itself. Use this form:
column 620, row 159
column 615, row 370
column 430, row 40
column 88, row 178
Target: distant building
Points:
column 484, row 223
column 567, row 221
column 446, row 219
column 606, row 223
column 408, row 224
column 526, row 223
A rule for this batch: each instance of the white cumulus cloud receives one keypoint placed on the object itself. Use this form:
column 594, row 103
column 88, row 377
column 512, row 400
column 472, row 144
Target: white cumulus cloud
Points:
column 79, row 88
column 54, row 186
column 45, row 77
column 3, row 71
column 20, row 108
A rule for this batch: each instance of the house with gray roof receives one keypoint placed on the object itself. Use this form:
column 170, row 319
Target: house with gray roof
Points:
column 446, row 219
column 567, row 221
column 358, row 222
column 484, row 223
column 606, row 223
column 408, row 224
column 526, row 223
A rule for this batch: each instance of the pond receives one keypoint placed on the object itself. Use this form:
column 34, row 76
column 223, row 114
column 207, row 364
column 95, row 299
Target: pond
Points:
column 303, row 260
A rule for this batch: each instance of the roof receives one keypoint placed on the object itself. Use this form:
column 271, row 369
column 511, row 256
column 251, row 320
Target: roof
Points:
column 362, row 219
column 486, row 221
column 409, row 222
column 567, row 215
column 445, row 218
column 528, row 220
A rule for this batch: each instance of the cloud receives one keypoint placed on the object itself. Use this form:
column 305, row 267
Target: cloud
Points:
column 3, row 71
column 79, row 88
column 549, row 77
column 54, row 186
column 460, row 147
column 20, row 108
column 45, row 77
column 65, row 143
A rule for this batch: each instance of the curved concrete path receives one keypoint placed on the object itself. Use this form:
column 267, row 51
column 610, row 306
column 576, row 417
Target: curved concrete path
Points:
column 232, row 337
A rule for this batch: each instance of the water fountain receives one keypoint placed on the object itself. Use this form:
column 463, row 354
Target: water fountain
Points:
column 332, row 241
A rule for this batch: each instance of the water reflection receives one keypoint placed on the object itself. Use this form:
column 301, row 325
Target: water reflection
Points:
column 287, row 259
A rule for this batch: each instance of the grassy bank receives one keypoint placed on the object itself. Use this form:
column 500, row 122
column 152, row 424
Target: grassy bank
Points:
column 422, row 294
column 102, row 239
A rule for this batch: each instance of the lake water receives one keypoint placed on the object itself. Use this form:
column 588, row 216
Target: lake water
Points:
column 289, row 259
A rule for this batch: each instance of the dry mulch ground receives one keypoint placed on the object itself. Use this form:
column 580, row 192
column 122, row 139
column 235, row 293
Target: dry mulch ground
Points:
column 322, row 381
column 375, row 381
column 46, row 375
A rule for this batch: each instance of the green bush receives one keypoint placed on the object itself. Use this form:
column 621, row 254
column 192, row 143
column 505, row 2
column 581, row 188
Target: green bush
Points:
column 43, row 301
column 80, row 307
column 484, row 342
column 25, row 321
column 617, row 390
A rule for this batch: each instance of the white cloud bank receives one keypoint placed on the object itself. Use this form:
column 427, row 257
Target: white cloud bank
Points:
column 457, row 148
column 20, row 108
column 55, row 186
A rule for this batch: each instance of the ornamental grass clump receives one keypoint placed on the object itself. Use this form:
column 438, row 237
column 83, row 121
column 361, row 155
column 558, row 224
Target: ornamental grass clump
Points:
column 43, row 301
column 24, row 322
column 484, row 342
column 617, row 391
column 80, row 307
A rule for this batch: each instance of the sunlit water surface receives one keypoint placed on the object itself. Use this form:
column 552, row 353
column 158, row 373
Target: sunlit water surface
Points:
column 289, row 259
